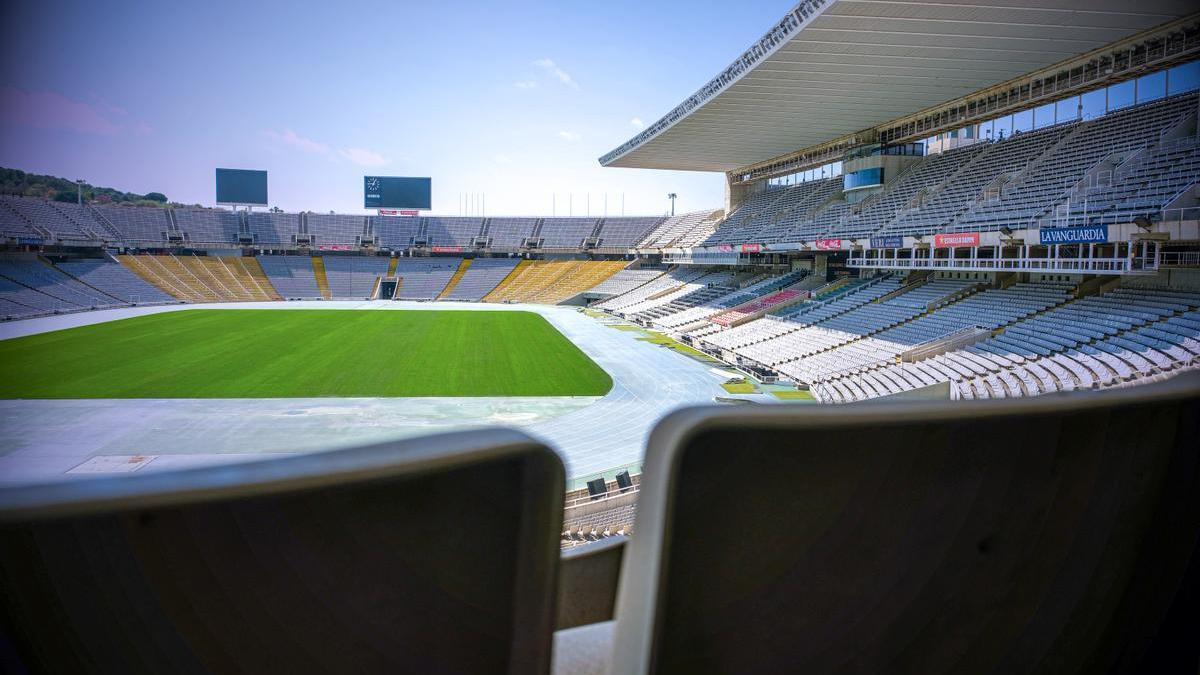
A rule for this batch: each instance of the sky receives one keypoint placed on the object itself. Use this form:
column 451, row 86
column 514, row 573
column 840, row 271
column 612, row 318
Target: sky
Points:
column 506, row 105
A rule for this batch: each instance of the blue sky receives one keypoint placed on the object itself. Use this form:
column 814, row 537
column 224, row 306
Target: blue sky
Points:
column 515, row 100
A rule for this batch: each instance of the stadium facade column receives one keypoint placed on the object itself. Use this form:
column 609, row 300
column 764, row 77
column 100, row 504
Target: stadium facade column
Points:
column 736, row 193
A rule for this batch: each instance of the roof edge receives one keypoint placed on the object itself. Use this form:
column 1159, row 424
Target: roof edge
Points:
column 779, row 34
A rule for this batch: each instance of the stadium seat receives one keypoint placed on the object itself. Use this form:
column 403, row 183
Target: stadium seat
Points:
column 432, row 555
column 1046, row 535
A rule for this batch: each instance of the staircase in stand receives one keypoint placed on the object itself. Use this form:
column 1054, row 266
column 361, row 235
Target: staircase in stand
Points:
column 458, row 275
column 318, row 265
column 501, row 289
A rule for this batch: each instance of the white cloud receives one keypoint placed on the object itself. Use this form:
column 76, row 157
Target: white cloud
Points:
column 551, row 67
column 568, row 136
column 289, row 137
column 364, row 157
column 525, row 84
column 637, row 123
column 502, row 159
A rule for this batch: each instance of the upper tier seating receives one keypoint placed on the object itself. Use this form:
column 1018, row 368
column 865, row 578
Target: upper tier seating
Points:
column 13, row 224
column 1118, row 166
column 57, row 219
column 908, row 190
column 447, row 231
column 1048, row 181
column 623, row 232
column 273, row 228
column 143, row 226
column 670, row 229
column 395, row 233
column 510, row 233
column 337, row 229
column 967, row 185
column 567, row 233
column 207, row 226
column 1142, row 187
column 429, row 555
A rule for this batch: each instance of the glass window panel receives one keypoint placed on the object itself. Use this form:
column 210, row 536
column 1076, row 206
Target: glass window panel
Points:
column 1022, row 121
column 1043, row 116
column 1003, row 127
column 1183, row 78
column 1120, row 95
column 865, row 177
column 1067, row 109
column 1152, row 87
column 1093, row 104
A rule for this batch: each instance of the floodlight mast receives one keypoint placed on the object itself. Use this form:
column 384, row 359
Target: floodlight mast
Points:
column 672, row 196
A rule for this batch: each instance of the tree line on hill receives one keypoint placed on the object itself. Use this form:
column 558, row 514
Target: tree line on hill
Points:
column 17, row 182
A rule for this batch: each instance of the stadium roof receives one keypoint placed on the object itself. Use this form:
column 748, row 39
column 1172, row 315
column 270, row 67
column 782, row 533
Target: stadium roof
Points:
column 834, row 67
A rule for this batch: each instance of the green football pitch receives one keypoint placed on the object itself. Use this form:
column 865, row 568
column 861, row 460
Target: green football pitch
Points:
column 246, row 353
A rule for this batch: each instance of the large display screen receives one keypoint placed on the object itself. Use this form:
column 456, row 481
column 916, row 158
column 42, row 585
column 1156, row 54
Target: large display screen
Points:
column 241, row 186
column 396, row 192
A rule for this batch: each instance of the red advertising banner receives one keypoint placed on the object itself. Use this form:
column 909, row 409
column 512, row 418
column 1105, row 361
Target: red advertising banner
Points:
column 828, row 244
column 752, row 248
column 725, row 248
column 407, row 213
column 956, row 240
column 335, row 247
column 446, row 249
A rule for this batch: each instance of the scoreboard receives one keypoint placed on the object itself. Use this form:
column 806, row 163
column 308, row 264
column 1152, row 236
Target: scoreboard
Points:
column 242, row 187
column 396, row 192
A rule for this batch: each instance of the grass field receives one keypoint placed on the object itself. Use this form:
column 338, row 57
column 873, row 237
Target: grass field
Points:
column 246, row 353
column 793, row 395
column 742, row 387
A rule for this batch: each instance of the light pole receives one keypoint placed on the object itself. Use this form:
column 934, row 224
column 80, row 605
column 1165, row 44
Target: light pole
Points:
column 79, row 190
column 672, row 196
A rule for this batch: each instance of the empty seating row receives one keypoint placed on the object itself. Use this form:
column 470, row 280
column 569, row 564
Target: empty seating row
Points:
column 291, row 275
column 424, row 278
column 481, row 278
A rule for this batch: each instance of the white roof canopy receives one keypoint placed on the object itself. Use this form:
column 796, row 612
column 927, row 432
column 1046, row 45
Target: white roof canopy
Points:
column 834, row 67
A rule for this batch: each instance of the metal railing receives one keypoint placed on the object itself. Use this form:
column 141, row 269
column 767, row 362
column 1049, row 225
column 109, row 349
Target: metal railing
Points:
column 1179, row 259
column 1073, row 265
column 1170, row 216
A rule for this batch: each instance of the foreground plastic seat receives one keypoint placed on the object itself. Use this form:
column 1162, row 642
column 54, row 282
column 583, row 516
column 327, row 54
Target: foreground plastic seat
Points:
column 432, row 555
column 1035, row 535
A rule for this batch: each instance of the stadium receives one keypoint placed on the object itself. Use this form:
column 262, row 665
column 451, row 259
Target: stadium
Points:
column 918, row 397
